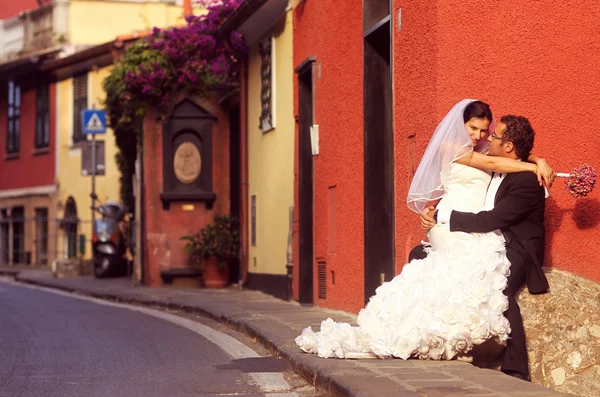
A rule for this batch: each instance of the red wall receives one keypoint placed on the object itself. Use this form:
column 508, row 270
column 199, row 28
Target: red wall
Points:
column 10, row 8
column 28, row 169
column 332, row 32
column 538, row 59
column 163, row 228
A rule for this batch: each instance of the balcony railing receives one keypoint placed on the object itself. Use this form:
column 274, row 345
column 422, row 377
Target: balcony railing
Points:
column 35, row 30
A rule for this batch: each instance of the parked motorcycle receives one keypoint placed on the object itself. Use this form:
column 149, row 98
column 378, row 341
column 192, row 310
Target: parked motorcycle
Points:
column 109, row 243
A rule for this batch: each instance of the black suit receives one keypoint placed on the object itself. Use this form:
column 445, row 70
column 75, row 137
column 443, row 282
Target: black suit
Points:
column 519, row 213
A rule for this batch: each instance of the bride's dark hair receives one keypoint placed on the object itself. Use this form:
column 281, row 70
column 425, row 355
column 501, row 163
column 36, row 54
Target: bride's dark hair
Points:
column 477, row 109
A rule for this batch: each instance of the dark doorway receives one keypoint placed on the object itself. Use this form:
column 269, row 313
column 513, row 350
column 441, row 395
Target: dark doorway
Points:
column 69, row 224
column 41, row 236
column 4, row 242
column 305, row 179
column 379, row 146
column 18, row 225
column 234, row 180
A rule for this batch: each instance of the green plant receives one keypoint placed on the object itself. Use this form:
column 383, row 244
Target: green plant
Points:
column 220, row 239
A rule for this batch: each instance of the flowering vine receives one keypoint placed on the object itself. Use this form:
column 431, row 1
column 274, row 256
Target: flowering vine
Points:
column 155, row 69
column 189, row 58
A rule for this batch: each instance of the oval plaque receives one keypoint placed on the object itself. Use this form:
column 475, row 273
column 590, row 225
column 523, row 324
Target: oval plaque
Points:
column 187, row 162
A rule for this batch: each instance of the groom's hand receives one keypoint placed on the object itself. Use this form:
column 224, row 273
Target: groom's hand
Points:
column 427, row 221
column 545, row 173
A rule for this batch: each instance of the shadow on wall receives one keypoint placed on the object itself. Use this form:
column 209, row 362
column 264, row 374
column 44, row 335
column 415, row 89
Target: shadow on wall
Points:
column 584, row 214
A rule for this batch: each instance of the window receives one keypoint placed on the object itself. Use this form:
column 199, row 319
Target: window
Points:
column 42, row 123
column 14, row 118
column 79, row 104
column 266, row 90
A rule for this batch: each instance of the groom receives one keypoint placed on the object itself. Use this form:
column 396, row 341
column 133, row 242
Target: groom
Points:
column 514, row 205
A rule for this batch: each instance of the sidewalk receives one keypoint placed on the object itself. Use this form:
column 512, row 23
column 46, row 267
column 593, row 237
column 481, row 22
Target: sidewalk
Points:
column 276, row 324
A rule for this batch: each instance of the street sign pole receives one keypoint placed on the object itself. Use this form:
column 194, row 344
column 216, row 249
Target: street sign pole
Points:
column 93, row 122
column 93, row 195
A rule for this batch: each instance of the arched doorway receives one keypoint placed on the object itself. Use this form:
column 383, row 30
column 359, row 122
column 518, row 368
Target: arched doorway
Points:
column 69, row 225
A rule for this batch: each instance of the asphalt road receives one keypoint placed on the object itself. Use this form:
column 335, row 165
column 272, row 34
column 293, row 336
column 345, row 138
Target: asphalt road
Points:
column 58, row 345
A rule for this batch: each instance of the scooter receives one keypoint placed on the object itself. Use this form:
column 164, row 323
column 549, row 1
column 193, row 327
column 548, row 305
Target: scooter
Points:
column 108, row 241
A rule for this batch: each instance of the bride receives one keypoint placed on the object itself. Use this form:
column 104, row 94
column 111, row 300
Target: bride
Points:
column 440, row 306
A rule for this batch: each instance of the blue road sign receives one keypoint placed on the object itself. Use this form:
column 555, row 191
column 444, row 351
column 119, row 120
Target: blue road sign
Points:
column 93, row 121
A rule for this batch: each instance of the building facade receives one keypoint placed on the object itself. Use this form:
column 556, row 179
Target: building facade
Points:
column 377, row 77
column 270, row 126
column 266, row 144
column 52, row 64
column 329, row 218
column 27, row 167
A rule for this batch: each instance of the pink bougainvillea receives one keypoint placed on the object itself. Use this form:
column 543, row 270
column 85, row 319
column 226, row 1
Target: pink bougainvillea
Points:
column 189, row 58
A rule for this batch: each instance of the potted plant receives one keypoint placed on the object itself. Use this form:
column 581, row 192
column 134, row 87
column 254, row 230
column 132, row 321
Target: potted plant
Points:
column 213, row 248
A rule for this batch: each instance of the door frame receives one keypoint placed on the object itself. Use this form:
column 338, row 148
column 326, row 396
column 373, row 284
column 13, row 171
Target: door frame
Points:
column 379, row 192
column 306, row 85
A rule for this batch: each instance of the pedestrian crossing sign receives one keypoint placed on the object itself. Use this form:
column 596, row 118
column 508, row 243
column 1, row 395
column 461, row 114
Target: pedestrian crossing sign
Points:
column 93, row 121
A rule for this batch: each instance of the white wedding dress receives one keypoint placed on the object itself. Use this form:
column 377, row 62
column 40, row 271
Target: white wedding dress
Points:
column 437, row 307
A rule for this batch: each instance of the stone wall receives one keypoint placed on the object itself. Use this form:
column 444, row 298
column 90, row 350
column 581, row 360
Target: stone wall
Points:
column 563, row 334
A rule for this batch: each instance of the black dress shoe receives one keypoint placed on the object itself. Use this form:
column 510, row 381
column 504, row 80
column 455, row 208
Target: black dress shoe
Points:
column 518, row 375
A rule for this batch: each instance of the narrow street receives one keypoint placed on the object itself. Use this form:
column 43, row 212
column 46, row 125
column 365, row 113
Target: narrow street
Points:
column 55, row 344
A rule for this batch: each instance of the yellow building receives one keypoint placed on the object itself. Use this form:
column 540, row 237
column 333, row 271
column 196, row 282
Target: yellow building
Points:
column 79, row 86
column 73, row 93
column 270, row 128
column 95, row 22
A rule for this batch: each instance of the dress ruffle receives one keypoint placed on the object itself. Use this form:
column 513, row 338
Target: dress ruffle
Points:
column 435, row 308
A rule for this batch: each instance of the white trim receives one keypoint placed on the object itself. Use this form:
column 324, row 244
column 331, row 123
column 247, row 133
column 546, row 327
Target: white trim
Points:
column 28, row 191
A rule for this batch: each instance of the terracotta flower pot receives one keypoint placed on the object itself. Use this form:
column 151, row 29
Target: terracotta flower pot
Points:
column 213, row 275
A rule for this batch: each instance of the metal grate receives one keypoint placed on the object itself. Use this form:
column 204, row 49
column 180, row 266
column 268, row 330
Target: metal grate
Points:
column 322, row 276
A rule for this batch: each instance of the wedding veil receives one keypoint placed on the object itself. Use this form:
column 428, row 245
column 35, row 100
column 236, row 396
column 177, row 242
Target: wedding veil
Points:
column 449, row 142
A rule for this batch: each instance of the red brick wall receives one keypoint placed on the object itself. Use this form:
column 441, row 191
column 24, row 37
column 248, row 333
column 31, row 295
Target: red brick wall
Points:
column 332, row 32
column 29, row 169
column 163, row 228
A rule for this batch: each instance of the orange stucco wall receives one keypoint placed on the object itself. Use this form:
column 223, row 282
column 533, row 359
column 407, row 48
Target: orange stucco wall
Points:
column 538, row 59
column 332, row 32
column 163, row 228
